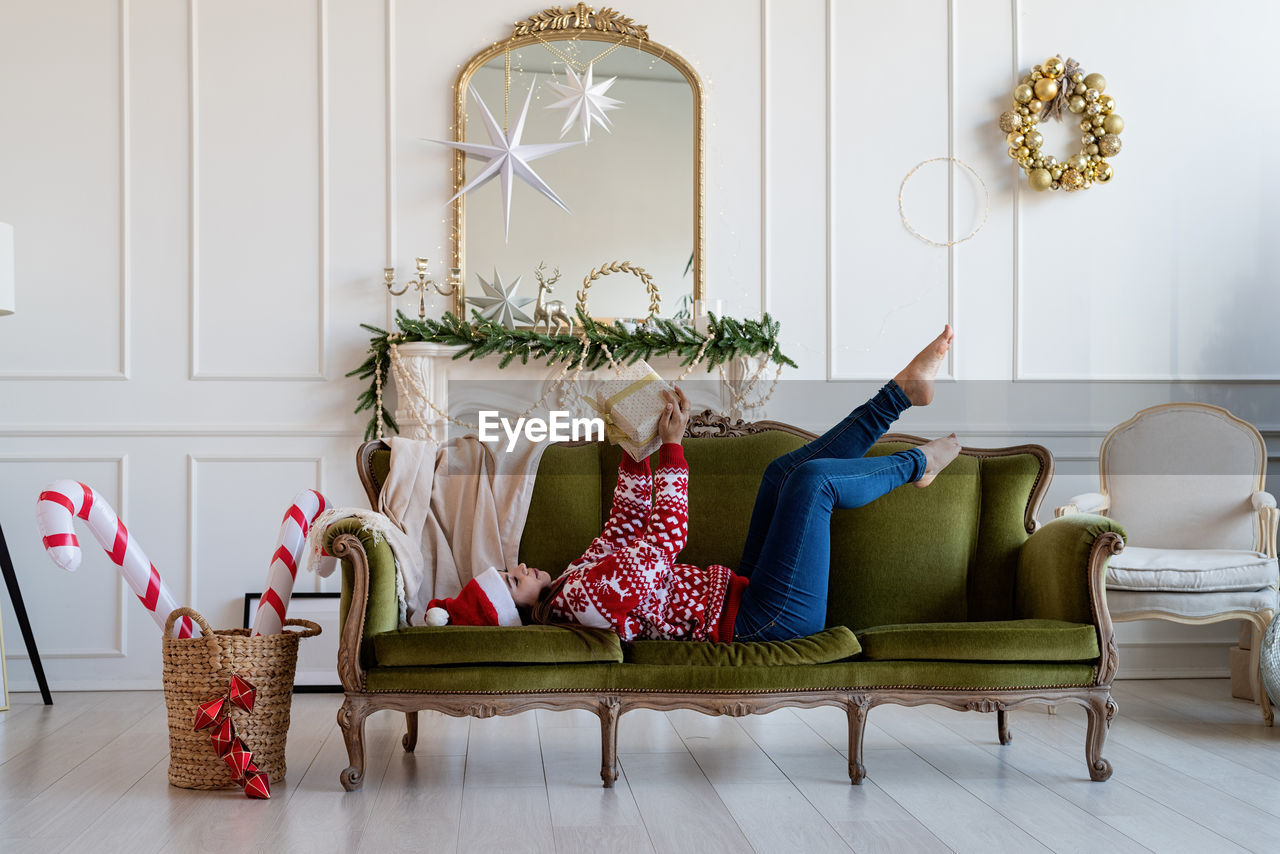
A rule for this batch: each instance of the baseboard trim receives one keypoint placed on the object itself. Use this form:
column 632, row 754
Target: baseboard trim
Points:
column 1174, row 673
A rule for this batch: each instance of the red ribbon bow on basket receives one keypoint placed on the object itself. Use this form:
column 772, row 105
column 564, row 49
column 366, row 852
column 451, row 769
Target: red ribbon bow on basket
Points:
column 216, row 715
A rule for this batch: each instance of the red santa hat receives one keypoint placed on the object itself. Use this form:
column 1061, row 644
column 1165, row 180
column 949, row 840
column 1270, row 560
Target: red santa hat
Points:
column 484, row 601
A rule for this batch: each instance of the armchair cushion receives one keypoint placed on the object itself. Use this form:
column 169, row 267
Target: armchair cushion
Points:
column 1000, row 640
column 1157, row 604
column 1190, row 570
column 436, row 645
column 827, row 645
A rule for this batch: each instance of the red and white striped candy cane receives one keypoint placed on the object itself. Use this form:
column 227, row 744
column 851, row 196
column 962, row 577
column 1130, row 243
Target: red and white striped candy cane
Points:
column 63, row 499
column 307, row 505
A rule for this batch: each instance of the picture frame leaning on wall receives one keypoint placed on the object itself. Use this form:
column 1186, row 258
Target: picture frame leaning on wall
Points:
column 318, row 658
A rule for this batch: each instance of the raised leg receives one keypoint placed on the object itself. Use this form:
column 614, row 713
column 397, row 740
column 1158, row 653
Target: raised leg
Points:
column 608, row 711
column 410, row 740
column 351, row 718
column 851, row 438
column 787, row 596
column 1100, row 709
column 857, row 708
column 1002, row 721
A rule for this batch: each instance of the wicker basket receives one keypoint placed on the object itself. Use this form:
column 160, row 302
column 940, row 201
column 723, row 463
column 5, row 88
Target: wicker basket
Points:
column 197, row 670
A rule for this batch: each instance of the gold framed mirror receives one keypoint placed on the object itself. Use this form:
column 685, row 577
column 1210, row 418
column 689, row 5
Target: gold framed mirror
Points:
column 633, row 185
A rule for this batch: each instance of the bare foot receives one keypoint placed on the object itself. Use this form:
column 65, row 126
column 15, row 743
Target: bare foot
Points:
column 916, row 379
column 938, row 455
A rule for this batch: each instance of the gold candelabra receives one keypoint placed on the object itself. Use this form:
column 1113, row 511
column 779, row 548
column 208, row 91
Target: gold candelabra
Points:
column 422, row 283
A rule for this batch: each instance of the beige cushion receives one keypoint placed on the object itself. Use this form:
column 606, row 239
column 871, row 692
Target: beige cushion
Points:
column 1127, row 604
column 1190, row 570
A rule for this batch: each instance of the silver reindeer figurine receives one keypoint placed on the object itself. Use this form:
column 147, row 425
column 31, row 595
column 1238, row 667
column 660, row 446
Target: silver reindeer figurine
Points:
column 549, row 310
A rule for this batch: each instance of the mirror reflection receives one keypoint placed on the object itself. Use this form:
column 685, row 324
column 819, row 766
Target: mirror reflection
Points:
column 629, row 188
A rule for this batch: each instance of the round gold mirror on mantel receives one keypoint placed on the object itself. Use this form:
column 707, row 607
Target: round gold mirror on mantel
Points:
column 628, row 177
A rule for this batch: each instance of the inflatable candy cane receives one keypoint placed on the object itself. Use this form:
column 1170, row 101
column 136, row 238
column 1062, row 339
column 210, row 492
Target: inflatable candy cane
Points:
column 63, row 499
column 307, row 505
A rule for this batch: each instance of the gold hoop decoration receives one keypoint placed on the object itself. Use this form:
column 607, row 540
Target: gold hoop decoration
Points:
column 1052, row 87
column 986, row 207
column 621, row 267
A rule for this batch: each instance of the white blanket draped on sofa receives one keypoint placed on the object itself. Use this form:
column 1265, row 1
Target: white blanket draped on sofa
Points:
column 462, row 505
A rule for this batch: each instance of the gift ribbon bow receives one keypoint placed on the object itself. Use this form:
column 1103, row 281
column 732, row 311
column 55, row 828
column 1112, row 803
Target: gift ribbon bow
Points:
column 612, row 431
column 215, row 715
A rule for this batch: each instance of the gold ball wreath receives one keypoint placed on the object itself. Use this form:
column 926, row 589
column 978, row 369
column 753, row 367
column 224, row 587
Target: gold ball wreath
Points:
column 1044, row 93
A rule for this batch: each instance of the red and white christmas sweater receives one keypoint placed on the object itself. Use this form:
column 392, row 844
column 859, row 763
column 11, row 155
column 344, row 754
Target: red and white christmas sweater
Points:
column 628, row 579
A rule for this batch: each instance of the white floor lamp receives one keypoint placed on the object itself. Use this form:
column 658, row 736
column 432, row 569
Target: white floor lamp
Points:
column 7, row 306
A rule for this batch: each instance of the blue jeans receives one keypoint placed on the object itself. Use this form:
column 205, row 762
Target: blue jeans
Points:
column 788, row 550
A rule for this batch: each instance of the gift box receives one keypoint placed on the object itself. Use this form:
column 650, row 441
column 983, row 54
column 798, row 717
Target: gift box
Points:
column 630, row 405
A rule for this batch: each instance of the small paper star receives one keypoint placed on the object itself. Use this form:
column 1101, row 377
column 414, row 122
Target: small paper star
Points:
column 507, row 156
column 586, row 102
column 502, row 304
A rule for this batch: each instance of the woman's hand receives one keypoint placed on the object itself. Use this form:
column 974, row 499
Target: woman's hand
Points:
column 675, row 418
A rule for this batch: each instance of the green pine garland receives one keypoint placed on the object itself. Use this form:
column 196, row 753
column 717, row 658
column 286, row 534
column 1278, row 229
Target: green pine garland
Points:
column 486, row 337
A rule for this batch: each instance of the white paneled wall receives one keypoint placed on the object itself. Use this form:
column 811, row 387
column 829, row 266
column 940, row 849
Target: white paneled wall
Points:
column 205, row 193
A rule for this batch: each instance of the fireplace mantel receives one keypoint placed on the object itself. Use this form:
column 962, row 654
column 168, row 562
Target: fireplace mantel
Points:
column 460, row 387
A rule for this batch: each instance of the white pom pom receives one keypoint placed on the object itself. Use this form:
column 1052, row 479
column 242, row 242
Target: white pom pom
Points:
column 436, row 617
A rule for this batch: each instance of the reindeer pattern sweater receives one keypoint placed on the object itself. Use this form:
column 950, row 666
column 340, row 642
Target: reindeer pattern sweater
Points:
column 628, row 579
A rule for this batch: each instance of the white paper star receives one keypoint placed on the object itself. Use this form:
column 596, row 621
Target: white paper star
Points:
column 507, row 156
column 584, row 101
column 502, row 304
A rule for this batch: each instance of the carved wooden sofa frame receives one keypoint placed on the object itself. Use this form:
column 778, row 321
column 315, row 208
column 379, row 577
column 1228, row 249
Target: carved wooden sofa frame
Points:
column 359, row 702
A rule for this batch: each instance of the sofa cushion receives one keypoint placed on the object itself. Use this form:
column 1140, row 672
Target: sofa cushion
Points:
column 1002, row 640
column 828, row 645
column 1190, row 570
column 437, row 645
column 541, row 678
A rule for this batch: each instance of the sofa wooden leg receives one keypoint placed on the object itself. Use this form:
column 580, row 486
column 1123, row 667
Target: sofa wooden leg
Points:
column 1002, row 721
column 351, row 719
column 410, row 740
column 609, row 711
column 857, row 708
column 1100, row 710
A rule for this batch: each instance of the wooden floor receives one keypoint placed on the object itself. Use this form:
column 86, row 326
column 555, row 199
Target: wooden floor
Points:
column 1194, row 771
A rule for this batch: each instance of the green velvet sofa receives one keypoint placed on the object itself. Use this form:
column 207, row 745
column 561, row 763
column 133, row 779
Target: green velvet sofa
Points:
column 951, row 595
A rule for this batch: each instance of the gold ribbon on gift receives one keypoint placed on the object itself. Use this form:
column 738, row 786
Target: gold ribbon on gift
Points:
column 614, row 433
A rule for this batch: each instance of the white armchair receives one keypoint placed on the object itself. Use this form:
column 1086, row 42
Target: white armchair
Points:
column 1186, row 482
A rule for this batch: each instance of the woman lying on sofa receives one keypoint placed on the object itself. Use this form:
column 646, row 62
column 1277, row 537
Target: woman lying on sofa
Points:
column 628, row 579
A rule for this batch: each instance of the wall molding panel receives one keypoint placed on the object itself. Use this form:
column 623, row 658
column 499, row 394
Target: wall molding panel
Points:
column 124, row 272
column 194, row 462
column 198, row 248
column 17, row 536
column 854, row 287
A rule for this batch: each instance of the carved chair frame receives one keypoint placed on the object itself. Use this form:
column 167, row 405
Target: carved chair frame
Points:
column 360, row 702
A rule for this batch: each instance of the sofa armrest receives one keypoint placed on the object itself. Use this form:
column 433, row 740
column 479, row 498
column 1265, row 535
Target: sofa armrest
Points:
column 368, row 605
column 1062, row 575
column 1088, row 502
column 1268, row 520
